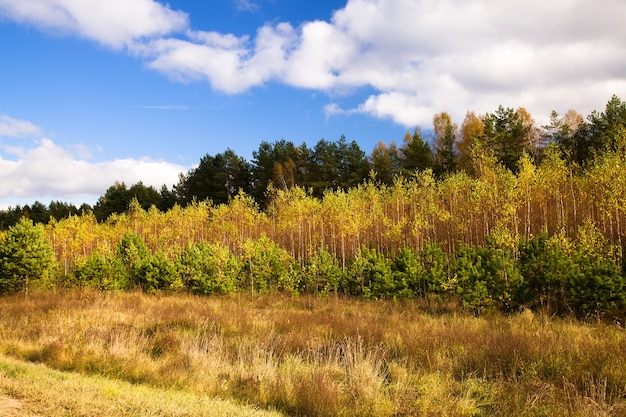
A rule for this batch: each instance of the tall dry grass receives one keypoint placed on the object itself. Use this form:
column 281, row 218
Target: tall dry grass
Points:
column 327, row 357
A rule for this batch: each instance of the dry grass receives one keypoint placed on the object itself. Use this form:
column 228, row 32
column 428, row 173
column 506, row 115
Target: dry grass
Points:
column 326, row 357
column 31, row 390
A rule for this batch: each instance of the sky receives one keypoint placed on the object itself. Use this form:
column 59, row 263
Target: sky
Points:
column 98, row 91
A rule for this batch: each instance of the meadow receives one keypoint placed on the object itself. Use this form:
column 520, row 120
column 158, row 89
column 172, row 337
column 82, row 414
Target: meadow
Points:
column 178, row 354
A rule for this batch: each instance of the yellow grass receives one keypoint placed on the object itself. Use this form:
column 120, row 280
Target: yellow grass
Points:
column 29, row 390
column 312, row 356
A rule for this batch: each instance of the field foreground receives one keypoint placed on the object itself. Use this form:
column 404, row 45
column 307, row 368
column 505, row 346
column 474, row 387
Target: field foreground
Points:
column 133, row 354
column 32, row 390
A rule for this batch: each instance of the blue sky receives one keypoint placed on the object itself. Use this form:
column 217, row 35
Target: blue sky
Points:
column 95, row 91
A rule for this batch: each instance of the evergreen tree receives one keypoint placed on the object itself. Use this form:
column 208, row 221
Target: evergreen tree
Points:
column 602, row 132
column 505, row 135
column 415, row 154
column 217, row 178
column 26, row 257
column 274, row 158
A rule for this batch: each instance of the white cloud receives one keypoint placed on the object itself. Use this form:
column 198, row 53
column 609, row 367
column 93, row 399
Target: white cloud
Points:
column 54, row 172
column 16, row 128
column 246, row 5
column 420, row 57
column 424, row 57
column 114, row 23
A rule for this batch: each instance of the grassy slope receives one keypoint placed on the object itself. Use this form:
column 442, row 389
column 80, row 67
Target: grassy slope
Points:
column 304, row 356
column 35, row 390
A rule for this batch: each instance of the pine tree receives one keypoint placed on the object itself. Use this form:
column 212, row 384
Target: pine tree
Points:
column 26, row 256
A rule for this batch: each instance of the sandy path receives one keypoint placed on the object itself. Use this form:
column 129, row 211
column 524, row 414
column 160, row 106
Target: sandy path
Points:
column 9, row 406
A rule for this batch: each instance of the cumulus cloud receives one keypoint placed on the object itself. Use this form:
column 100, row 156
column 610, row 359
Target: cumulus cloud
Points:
column 48, row 169
column 114, row 23
column 419, row 57
column 423, row 57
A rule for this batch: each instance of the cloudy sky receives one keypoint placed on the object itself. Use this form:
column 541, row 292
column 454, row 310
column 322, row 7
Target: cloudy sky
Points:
column 98, row 91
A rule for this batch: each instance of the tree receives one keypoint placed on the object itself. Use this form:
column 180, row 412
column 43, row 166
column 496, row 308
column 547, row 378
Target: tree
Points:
column 385, row 162
column 415, row 153
column 324, row 167
column 602, row 132
column 505, row 135
column 26, row 256
column 217, row 178
column 561, row 131
column 37, row 212
column 532, row 134
column 445, row 133
column 266, row 161
column 472, row 131
column 209, row 269
column 114, row 200
column 353, row 164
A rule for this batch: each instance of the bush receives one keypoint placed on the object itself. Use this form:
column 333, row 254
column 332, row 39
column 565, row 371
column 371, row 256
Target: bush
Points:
column 547, row 267
column 322, row 273
column 158, row 273
column 597, row 287
column 209, row 269
column 437, row 279
column 487, row 277
column 270, row 268
column 148, row 272
column 26, row 258
column 371, row 276
column 102, row 273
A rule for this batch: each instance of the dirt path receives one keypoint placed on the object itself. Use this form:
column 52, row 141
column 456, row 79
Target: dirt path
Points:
column 9, row 407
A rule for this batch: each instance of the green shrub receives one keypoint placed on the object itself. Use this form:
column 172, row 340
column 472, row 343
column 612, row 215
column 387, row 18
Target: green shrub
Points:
column 102, row 273
column 322, row 273
column 487, row 277
column 371, row 275
column 158, row 273
column 439, row 283
column 409, row 274
column 547, row 267
column 209, row 269
column 598, row 287
column 143, row 270
column 270, row 268
column 26, row 258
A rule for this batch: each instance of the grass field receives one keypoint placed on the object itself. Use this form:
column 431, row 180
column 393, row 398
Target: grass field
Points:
column 133, row 354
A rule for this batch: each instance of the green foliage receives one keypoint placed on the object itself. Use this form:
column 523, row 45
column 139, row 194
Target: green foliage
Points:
column 159, row 273
column 143, row 270
column 487, row 277
column 603, row 132
column 547, row 267
column 270, row 268
column 217, row 178
column 410, row 271
column 437, row 272
column 26, row 258
column 371, row 276
column 597, row 287
column 322, row 273
column 209, row 269
column 416, row 154
column 101, row 272
column 504, row 135
column 117, row 199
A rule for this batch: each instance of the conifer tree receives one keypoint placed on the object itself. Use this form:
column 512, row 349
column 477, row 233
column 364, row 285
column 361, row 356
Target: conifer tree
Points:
column 26, row 256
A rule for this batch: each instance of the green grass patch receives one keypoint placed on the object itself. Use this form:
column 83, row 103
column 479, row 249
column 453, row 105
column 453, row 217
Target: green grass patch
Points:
column 28, row 389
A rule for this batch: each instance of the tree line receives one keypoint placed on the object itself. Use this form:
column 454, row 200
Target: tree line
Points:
column 546, row 232
column 506, row 134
